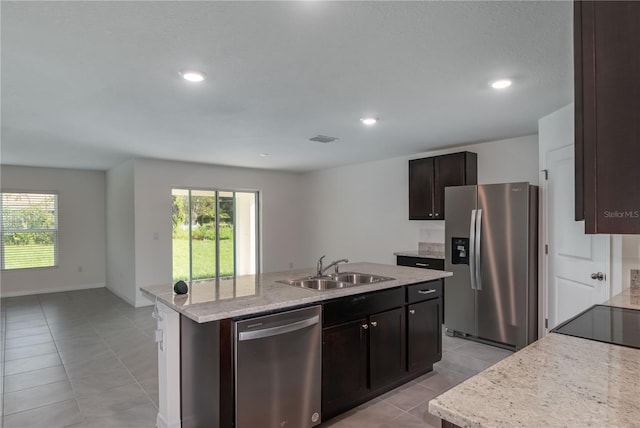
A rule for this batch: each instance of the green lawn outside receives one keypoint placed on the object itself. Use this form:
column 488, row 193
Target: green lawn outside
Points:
column 204, row 260
column 37, row 255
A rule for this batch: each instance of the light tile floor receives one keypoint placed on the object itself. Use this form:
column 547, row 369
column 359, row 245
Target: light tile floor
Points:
column 87, row 359
column 408, row 405
column 81, row 359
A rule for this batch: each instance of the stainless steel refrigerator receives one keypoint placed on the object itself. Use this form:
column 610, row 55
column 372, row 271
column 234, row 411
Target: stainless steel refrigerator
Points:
column 491, row 244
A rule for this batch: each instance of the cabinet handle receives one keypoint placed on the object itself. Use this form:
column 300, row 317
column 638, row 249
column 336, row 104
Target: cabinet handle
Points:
column 426, row 291
column 422, row 264
column 430, row 215
column 374, row 324
column 412, row 311
column 437, row 214
column 365, row 326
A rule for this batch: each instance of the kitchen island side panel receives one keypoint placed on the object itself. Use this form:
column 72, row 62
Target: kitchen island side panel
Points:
column 199, row 373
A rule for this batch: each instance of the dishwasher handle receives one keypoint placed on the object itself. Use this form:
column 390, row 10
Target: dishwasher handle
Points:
column 281, row 329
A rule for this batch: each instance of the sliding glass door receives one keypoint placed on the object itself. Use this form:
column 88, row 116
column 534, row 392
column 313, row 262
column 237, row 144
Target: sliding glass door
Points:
column 215, row 233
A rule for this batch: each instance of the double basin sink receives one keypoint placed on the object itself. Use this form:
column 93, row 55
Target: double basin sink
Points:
column 336, row 281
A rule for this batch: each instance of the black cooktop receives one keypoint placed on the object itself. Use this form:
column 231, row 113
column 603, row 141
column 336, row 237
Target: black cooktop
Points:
column 619, row 326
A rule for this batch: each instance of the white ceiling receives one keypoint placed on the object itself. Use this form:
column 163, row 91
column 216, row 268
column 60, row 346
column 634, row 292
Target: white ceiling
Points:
column 91, row 84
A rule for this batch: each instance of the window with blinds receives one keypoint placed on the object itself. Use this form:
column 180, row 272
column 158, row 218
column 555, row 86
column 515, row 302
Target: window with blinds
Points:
column 28, row 230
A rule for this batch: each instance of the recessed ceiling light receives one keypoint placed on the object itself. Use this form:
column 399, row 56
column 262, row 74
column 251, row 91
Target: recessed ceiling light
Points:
column 501, row 84
column 193, row 75
column 263, row 155
column 369, row 120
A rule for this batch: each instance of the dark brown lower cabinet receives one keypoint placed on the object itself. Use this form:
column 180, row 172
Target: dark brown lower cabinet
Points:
column 386, row 344
column 374, row 342
column 424, row 334
column 371, row 343
column 344, row 363
column 359, row 357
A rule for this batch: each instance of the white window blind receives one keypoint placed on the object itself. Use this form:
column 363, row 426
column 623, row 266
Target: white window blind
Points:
column 28, row 230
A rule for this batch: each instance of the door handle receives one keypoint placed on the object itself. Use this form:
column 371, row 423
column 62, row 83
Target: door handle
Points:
column 365, row 326
column 472, row 249
column 374, row 324
column 478, row 250
column 599, row 276
column 274, row 331
column 412, row 311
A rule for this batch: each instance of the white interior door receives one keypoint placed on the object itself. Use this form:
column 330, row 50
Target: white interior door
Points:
column 573, row 256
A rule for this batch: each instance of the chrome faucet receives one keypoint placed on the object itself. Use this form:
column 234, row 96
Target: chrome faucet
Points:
column 322, row 270
column 319, row 266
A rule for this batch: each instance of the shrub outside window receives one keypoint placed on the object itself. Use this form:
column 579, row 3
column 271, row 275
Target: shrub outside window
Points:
column 28, row 230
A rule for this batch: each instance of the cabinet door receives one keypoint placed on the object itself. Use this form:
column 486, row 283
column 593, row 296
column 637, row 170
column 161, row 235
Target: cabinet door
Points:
column 344, row 364
column 607, row 36
column 387, row 347
column 421, row 181
column 424, row 334
column 449, row 171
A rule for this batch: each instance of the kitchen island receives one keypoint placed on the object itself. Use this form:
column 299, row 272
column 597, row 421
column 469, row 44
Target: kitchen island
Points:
column 195, row 351
column 558, row 381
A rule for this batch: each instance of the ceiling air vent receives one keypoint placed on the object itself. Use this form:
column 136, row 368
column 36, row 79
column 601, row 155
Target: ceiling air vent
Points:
column 323, row 139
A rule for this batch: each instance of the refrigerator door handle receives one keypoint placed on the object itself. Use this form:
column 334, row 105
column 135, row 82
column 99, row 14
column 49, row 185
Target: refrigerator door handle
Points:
column 478, row 252
column 472, row 249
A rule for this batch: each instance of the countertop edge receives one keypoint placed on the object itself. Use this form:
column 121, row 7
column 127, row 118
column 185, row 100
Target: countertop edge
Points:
column 420, row 254
column 201, row 313
column 574, row 351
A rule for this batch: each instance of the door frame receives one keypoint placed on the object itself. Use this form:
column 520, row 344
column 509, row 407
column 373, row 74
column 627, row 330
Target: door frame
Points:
column 555, row 131
column 615, row 253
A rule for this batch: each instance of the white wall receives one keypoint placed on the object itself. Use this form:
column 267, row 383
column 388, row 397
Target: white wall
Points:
column 282, row 225
column 81, row 228
column 120, row 244
column 361, row 211
column 630, row 258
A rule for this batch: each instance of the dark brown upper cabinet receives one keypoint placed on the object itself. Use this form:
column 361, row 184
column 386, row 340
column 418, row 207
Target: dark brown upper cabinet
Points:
column 429, row 176
column 607, row 115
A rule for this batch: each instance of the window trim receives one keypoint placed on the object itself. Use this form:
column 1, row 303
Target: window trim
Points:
column 56, row 245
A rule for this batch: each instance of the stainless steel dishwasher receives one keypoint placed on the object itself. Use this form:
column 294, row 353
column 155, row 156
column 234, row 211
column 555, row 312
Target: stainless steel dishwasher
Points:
column 277, row 370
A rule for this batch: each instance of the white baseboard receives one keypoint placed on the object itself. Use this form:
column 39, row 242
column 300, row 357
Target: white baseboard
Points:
column 51, row 290
column 142, row 300
column 161, row 423
column 122, row 296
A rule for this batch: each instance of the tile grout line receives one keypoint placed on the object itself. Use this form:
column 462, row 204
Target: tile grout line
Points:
column 75, row 399
column 3, row 363
column 126, row 367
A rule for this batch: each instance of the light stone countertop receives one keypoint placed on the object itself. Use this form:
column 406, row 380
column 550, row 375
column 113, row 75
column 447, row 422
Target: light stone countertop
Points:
column 629, row 298
column 253, row 294
column 558, row 381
